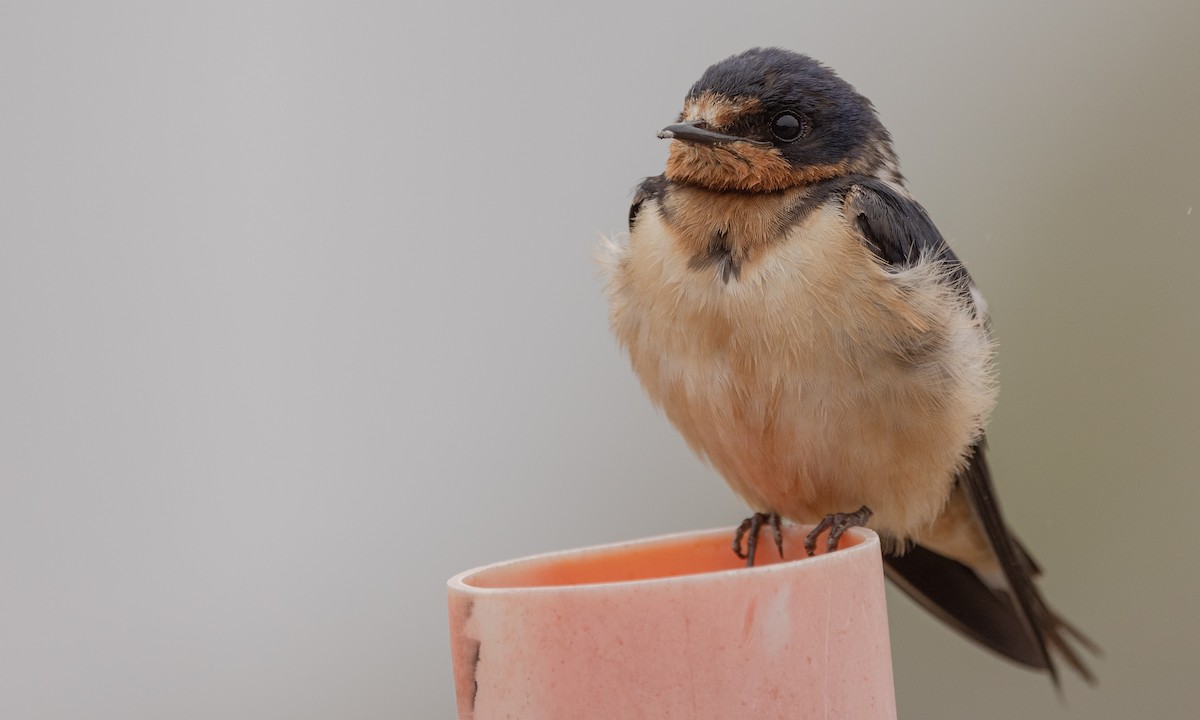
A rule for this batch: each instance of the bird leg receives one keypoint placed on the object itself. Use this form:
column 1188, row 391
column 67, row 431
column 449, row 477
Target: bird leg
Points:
column 752, row 525
column 836, row 524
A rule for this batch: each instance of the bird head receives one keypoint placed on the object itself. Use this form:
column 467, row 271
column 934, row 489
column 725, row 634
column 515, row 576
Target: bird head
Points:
column 770, row 119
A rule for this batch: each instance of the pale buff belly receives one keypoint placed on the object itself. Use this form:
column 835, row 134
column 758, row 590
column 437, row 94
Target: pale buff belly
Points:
column 799, row 381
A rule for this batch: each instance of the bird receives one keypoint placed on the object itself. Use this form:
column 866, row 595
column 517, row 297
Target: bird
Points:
column 800, row 320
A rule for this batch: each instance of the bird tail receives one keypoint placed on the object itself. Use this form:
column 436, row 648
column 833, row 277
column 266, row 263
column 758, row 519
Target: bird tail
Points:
column 1027, row 631
column 1033, row 630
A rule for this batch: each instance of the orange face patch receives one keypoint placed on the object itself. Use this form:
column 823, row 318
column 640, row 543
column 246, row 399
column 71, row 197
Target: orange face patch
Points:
column 717, row 111
column 741, row 166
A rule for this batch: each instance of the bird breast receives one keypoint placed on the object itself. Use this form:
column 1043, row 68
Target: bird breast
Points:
column 815, row 381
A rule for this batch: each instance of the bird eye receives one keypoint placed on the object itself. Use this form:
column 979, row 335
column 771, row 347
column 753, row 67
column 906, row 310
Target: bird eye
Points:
column 787, row 127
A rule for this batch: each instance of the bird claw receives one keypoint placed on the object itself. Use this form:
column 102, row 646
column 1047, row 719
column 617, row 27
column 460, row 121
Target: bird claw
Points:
column 749, row 530
column 836, row 524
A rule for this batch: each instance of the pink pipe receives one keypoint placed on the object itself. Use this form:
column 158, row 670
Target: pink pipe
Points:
column 675, row 627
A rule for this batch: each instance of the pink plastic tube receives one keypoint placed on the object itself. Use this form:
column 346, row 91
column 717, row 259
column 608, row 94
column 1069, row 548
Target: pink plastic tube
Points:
column 675, row 627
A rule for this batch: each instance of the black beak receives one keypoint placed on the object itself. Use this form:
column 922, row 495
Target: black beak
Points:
column 692, row 132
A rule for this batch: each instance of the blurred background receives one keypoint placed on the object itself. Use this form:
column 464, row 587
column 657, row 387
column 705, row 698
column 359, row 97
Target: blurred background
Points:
column 299, row 319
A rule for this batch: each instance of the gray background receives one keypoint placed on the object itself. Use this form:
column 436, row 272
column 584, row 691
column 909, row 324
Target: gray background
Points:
column 299, row 319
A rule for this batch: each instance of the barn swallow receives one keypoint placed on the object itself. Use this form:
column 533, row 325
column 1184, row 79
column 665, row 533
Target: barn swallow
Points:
column 800, row 320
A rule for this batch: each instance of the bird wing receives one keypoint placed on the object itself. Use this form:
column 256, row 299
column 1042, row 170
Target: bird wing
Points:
column 899, row 230
column 1014, row 621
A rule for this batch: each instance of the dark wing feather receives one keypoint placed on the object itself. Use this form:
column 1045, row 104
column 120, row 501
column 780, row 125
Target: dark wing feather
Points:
column 1017, row 623
column 650, row 188
column 976, row 482
column 898, row 229
column 1048, row 629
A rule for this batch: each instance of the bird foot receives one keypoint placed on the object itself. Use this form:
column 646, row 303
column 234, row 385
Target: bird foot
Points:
column 836, row 524
column 749, row 530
